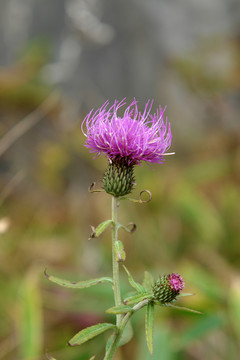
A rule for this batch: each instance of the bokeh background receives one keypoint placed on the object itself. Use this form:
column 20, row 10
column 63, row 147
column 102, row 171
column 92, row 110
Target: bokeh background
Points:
column 59, row 59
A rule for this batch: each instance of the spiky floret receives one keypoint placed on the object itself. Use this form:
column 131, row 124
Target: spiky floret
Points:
column 167, row 288
column 134, row 136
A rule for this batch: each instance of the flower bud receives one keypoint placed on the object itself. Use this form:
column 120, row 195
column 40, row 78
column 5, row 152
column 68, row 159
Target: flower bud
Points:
column 166, row 289
column 118, row 179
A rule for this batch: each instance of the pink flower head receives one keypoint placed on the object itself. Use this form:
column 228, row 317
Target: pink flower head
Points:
column 134, row 136
column 176, row 282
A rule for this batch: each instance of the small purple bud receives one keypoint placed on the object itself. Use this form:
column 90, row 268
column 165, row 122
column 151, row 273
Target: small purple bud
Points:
column 167, row 288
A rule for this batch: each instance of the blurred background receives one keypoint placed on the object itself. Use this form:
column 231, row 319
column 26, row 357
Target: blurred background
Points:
column 59, row 59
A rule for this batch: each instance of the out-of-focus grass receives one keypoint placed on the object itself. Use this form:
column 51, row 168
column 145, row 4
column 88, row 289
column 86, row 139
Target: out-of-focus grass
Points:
column 29, row 317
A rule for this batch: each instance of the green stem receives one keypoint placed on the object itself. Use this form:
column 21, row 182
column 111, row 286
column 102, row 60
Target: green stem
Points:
column 117, row 336
column 121, row 321
column 115, row 263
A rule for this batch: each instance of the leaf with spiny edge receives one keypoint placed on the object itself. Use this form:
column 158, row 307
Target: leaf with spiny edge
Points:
column 90, row 332
column 180, row 308
column 149, row 317
column 140, row 289
column 78, row 284
column 135, row 299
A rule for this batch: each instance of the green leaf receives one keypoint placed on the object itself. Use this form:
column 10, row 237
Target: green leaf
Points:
column 120, row 253
column 121, row 309
column 149, row 317
column 140, row 289
column 89, row 333
column 131, row 300
column 92, row 358
column 100, row 229
column 147, row 281
column 181, row 308
column 80, row 284
column 126, row 335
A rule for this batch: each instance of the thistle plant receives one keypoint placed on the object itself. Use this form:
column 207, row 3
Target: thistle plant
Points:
column 126, row 141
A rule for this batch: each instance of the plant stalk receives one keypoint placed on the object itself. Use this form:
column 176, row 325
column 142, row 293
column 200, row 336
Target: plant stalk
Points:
column 121, row 321
column 115, row 263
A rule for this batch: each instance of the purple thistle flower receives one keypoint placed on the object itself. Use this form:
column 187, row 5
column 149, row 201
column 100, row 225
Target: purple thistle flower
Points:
column 176, row 282
column 134, row 137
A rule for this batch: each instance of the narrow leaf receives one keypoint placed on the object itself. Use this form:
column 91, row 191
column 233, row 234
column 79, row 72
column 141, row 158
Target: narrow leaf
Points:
column 78, row 285
column 185, row 294
column 140, row 289
column 130, row 228
column 131, row 300
column 120, row 252
column 100, row 229
column 92, row 358
column 92, row 189
column 121, row 309
column 149, row 317
column 140, row 200
column 182, row 308
column 147, row 281
column 89, row 333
